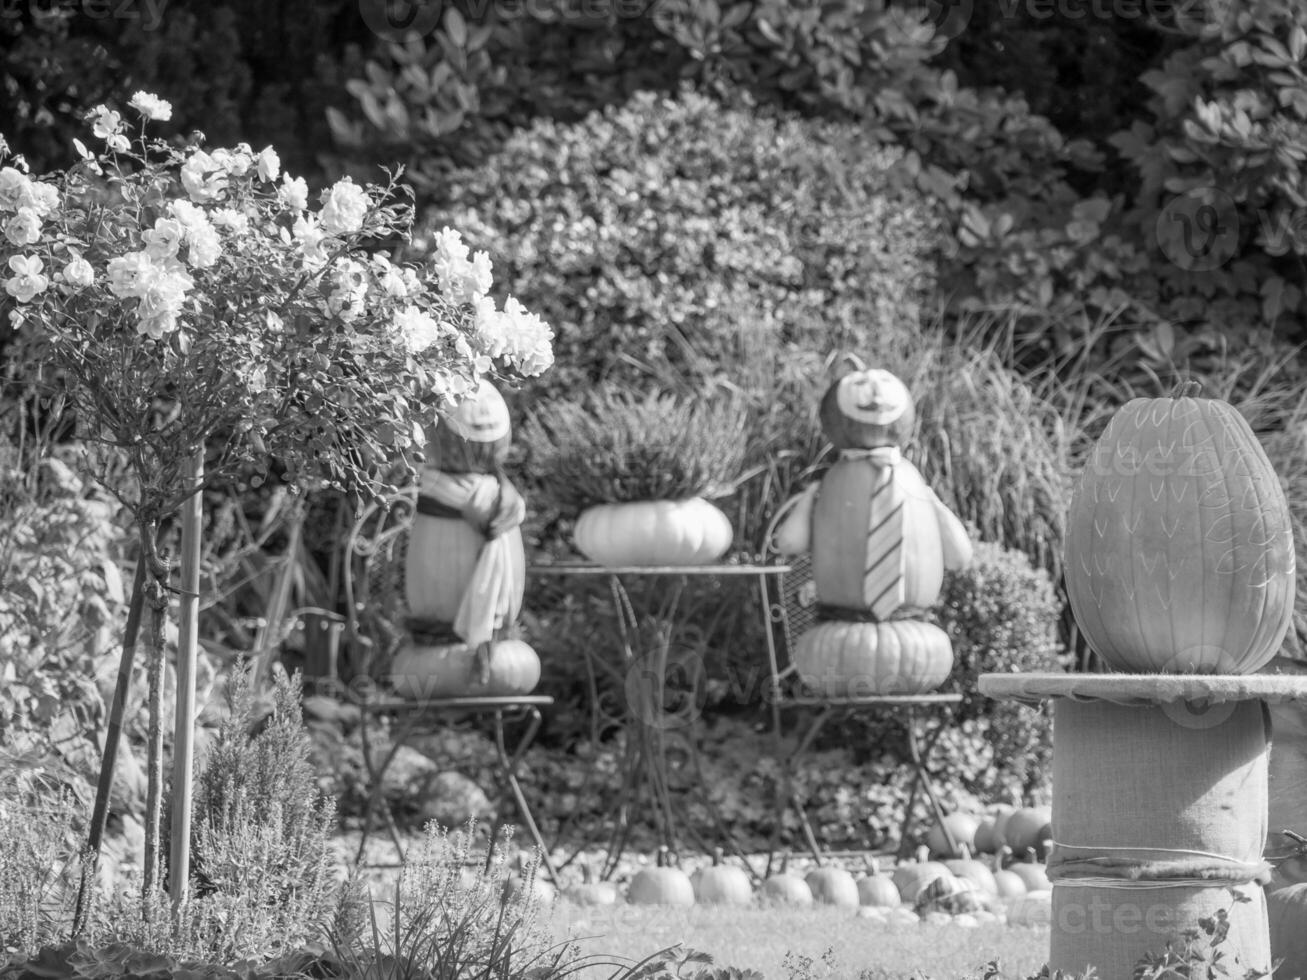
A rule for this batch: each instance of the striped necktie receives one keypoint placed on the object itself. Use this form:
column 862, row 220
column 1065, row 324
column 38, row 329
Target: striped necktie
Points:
column 883, row 585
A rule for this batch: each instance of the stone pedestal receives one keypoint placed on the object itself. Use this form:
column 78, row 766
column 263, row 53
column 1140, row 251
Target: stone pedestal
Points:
column 1159, row 811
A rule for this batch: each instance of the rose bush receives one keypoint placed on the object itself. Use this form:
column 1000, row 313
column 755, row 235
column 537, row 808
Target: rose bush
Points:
column 197, row 314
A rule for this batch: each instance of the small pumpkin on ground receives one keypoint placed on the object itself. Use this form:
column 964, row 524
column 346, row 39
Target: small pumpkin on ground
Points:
column 878, row 890
column 962, row 827
column 784, row 888
column 833, row 886
column 911, row 878
column 970, row 869
column 1032, row 875
column 1009, row 884
column 592, row 892
column 722, row 884
column 1028, row 827
column 660, row 885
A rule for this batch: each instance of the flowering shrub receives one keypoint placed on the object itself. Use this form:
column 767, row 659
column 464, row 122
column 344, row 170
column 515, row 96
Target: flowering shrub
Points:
column 196, row 313
column 180, row 297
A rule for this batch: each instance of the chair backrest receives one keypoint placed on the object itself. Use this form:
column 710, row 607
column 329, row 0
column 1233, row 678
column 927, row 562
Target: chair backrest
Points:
column 793, row 593
column 373, row 573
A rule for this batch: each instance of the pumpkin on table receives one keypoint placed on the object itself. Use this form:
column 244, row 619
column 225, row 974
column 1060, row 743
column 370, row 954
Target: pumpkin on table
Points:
column 880, row 541
column 1179, row 545
column 465, row 565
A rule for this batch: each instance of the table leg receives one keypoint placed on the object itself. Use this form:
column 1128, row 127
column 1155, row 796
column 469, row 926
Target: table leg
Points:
column 509, row 765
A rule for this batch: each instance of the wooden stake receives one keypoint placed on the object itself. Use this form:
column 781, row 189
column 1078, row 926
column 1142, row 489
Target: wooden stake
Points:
column 183, row 740
column 112, row 739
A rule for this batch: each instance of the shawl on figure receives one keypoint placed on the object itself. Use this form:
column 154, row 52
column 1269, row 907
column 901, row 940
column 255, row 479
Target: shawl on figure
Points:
column 492, row 506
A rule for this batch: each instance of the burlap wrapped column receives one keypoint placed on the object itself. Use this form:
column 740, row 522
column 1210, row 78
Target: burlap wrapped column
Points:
column 1159, row 810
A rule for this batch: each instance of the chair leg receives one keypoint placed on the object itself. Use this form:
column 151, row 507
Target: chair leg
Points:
column 792, row 793
column 508, row 764
column 918, row 754
column 376, row 794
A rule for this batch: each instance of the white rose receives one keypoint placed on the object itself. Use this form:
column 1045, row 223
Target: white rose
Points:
column 164, row 239
column 269, row 164
column 28, row 279
column 78, row 272
column 12, row 184
column 151, row 106
column 344, row 207
column 293, row 192
column 24, row 228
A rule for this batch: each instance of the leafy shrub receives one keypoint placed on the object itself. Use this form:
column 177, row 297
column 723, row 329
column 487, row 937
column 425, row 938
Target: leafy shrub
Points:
column 704, row 248
column 1001, row 614
column 617, row 447
column 62, row 601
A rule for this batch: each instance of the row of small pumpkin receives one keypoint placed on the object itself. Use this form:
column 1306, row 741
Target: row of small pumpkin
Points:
column 963, row 884
column 1024, row 831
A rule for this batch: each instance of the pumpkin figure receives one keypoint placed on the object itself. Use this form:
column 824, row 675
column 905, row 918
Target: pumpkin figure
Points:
column 880, row 541
column 1179, row 546
column 465, row 567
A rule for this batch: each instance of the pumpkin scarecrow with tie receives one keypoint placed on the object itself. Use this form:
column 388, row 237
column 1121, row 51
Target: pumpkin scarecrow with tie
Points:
column 880, row 541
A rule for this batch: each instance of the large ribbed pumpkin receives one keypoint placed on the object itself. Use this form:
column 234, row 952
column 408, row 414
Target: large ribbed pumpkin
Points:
column 1179, row 549
column 845, row 659
column 654, row 532
column 452, row 670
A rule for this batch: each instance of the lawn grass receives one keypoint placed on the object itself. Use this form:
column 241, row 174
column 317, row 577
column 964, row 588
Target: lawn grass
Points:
column 759, row 939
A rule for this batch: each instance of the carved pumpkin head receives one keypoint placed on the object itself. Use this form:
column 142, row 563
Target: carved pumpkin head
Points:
column 474, row 437
column 864, row 409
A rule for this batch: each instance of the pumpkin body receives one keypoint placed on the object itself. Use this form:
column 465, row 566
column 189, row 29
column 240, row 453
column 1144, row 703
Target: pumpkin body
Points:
column 990, row 835
column 454, row 670
column 1027, row 827
column 660, row 886
column 847, row 659
column 654, row 532
column 1009, row 884
column 540, row 892
column 840, row 518
column 878, row 890
column 976, row 872
column 913, row 878
column 1033, row 876
column 723, row 885
column 963, row 828
column 1179, row 549
column 787, row 889
column 594, row 893
column 866, row 409
column 834, row 886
